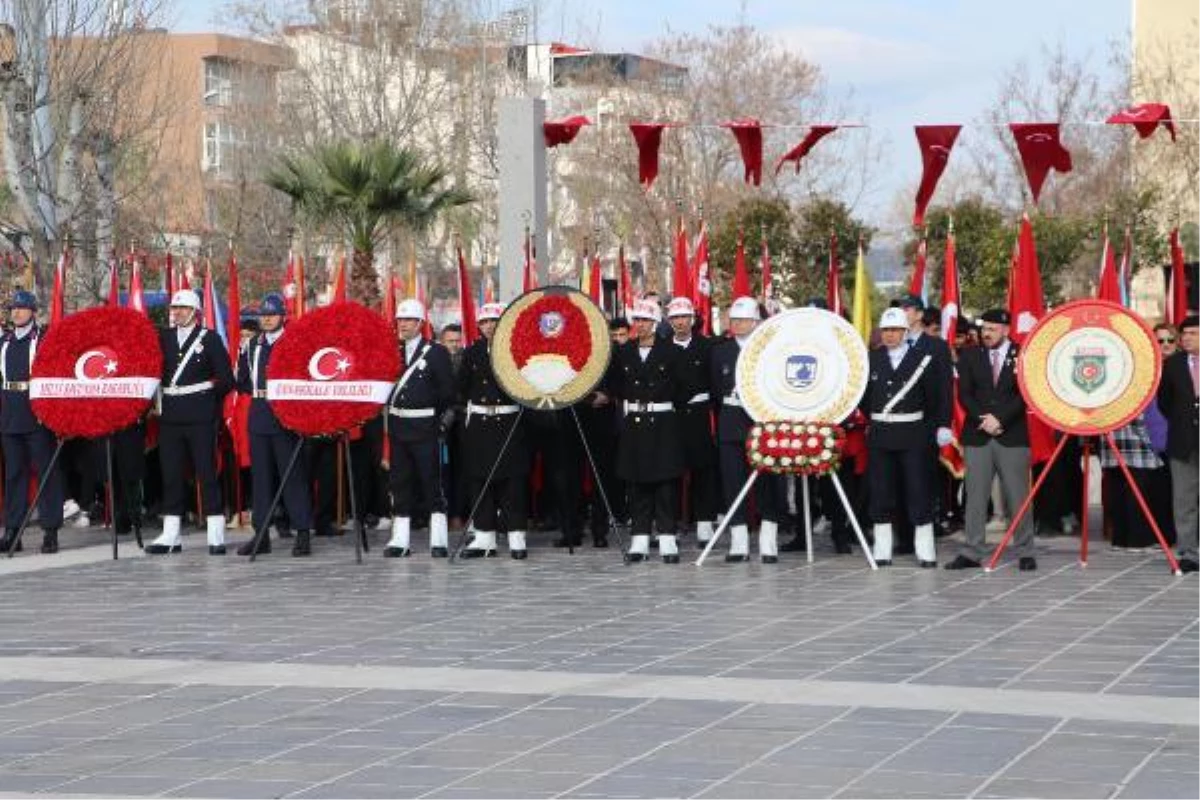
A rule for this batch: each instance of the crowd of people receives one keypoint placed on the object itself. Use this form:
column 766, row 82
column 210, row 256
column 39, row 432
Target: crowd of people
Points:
column 658, row 448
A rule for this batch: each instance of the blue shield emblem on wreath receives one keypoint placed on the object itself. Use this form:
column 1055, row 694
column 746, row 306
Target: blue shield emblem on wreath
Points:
column 1089, row 372
column 800, row 372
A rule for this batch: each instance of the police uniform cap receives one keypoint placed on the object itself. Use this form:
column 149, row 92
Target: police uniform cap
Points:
column 24, row 299
column 272, row 305
column 996, row 316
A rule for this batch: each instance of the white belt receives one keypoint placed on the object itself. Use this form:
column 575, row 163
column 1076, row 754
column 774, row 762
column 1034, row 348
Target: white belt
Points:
column 260, row 394
column 411, row 413
column 491, row 411
column 698, row 398
column 16, row 386
column 647, row 408
column 191, row 388
column 912, row 416
column 731, row 400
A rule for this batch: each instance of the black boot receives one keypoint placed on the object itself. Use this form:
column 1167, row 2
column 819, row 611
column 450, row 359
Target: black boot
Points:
column 50, row 541
column 7, row 542
column 303, row 545
column 264, row 546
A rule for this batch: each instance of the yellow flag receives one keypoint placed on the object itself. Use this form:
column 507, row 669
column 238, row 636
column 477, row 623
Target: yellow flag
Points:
column 862, row 297
column 410, row 286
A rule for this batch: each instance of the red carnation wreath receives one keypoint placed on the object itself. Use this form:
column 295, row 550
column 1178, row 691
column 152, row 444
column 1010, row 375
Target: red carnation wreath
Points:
column 332, row 370
column 95, row 372
column 800, row 448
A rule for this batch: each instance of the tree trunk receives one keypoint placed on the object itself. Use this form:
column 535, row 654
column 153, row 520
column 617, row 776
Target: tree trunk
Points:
column 364, row 280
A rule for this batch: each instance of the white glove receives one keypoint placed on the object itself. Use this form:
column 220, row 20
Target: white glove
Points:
column 944, row 437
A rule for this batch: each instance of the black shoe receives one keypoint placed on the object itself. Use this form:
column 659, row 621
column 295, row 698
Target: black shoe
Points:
column 163, row 549
column 883, row 562
column 635, row 558
column 672, row 558
column 962, row 562
column 397, row 552
column 927, row 564
column 600, row 542
column 796, row 545
column 737, row 558
column 50, row 541
column 1027, row 564
column 264, row 546
column 519, row 555
column 303, row 545
column 439, row 552
column 1187, row 565
column 7, row 541
column 770, row 559
column 216, row 549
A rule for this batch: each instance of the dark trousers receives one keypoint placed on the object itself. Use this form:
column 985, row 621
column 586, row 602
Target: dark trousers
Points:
column 129, row 468
column 841, row 529
column 415, row 476
column 269, row 456
column 654, row 503
column 704, row 493
column 770, row 491
column 910, row 469
column 26, row 455
column 562, row 454
column 504, row 504
column 178, row 446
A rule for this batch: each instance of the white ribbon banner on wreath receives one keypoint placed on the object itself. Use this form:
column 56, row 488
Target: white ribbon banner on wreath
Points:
column 107, row 388
column 327, row 391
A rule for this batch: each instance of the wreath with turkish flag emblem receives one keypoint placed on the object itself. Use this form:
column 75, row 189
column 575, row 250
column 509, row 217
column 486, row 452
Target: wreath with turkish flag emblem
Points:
column 332, row 370
column 95, row 372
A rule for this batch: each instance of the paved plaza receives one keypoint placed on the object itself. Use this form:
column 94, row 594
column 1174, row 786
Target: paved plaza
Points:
column 577, row 676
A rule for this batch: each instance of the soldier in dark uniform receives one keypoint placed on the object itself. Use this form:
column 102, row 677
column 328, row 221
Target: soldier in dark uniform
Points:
column 491, row 416
column 28, row 445
column 424, row 391
column 196, row 377
column 908, row 404
column 695, row 418
column 733, row 426
column 271, row 445
column 646, row 373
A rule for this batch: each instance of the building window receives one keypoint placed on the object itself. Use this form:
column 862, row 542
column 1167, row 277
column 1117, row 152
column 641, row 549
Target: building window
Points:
column 218, row 82
column 221, row 144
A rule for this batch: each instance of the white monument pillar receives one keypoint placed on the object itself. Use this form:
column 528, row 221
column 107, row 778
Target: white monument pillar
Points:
column 522, row 198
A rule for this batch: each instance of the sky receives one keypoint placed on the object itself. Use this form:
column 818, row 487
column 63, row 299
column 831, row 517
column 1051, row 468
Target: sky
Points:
column 906, row 62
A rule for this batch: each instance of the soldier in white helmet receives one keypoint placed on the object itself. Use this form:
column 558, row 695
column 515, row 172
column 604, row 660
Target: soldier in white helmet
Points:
column 196, row 377
column 414, row 414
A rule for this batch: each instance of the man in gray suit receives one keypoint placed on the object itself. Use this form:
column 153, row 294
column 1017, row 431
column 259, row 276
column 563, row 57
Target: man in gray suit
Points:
column 995, row 438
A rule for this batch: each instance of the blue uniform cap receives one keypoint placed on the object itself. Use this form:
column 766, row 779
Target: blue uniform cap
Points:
column 23, row 299
column 272, row 305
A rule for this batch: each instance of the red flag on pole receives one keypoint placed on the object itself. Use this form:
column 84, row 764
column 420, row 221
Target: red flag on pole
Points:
column 290, row 289
column 57, row 297
column 833, row 283
column 681, row 279
column 748, row 133
column 626, row 281
column 300, row 287
column 1041, row 151
column 935, row 142
column 339, row 281
column 529, row 279
column 169, row 276
column 595, row 273
column 426, row 325
column 466, row 302
column 741, row 277
column 648, row 136
column 114, row 284
column 563, row 131
column 919, row 285
column 797, row 153
column 137, row 298
column 702, row 280
column 1176, row 305
column 234, row 301
column 768, row 287
column 1145, row 118
column 1026, row 306
column 950, row 297
column 1108, row 287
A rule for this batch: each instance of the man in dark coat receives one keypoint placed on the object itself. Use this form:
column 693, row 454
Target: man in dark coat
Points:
column 995, row 440
column 733, row 426
column 1179, row 402
column 424, row 391
column 491, row 419
column 271, row 445
column 695, row 417
column 196, row 377
column 646, row 374
column 28, row 445
column 908, row 404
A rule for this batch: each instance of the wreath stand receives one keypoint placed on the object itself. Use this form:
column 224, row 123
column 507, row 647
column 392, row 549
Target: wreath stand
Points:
column 612, row 520
column 1083, row 522
column 360, row 534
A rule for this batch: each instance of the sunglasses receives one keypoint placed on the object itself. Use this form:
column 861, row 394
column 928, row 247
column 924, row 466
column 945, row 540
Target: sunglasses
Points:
column 1166, row 341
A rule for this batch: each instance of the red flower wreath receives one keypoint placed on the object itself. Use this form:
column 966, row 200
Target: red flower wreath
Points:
column 553, row 325
column 126, row 339
column 354, row 330
column 800, row 448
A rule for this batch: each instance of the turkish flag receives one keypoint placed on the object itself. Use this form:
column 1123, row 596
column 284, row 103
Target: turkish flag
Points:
column 58, row 294
column 918, row 283
column 748, row 133
column 1176, row 305
column 833, row 283
column 114, row 284
column 741, row 278
column 648, row 136
column 466, row 302
column 768, row 286
column 1026, row 306
column 563, row 131
column 814, row 135
column 681, row 279
column 1041, row 151
column 1109, row 286
column 626, row 282
column 702, row 282
column 935, row 142
column 1145, row 118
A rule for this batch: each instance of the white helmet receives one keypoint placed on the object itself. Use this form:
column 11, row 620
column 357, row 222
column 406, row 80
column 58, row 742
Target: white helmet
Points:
column 646, row 309
column 410, row 309
column 893, row 318
column 744, row 308
column 680, row 307
column 185, row 298
column 490, row 311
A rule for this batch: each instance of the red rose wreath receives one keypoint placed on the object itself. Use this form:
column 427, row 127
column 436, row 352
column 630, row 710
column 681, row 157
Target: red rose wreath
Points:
column 345, row 352
column 95, row 372
column 800, row 448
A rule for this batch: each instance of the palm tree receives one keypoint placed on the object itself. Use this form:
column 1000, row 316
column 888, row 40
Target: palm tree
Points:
column 364, row 190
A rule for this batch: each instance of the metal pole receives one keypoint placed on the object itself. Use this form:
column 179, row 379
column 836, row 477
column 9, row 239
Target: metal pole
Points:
column 862, row 540
column 265, row 523
column 737, row 502
column 1137, row 493
column 612, row 518
column 12, row 546
column 1083, row 519
column 360, row 534
column 1016, row 520
column 110, row 492
column 807, row 519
